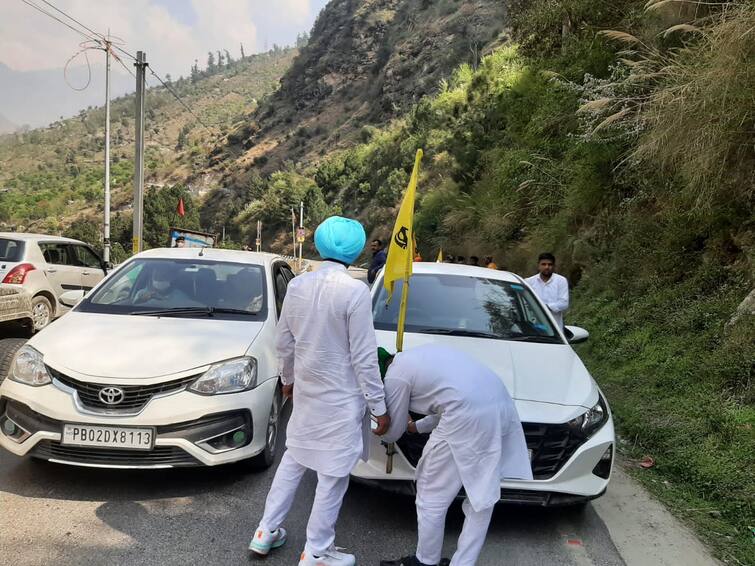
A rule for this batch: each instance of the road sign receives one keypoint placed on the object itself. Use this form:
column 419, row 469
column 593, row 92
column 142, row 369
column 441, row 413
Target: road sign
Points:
column 300, row 235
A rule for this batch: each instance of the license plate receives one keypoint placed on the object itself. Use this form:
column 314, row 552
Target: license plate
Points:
column 108, row 436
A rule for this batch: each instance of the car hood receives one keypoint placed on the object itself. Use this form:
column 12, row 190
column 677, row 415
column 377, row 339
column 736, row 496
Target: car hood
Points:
column 544, row 373
column 122, row 346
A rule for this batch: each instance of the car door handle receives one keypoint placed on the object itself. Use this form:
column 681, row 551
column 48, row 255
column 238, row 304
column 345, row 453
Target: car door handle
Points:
column 85, row 273
column 52, row 271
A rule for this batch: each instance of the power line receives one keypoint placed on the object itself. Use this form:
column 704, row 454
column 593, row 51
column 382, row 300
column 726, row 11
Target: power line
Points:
column 46, row 13
column 186, row 106
column 54, row 7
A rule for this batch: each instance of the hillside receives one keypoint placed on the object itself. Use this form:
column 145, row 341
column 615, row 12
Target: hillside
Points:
column 52, row 176
column 6, row 126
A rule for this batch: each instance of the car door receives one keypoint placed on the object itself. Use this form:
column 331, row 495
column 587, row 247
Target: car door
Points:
column 60, row 267
column 90, row 266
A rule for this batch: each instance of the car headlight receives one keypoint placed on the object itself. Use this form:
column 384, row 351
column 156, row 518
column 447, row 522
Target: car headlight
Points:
column 29, row 368
column 588, row 423
column 227, row 377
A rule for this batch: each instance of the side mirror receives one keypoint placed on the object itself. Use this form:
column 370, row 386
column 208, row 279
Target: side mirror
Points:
column 71, row 298
column 575, row 334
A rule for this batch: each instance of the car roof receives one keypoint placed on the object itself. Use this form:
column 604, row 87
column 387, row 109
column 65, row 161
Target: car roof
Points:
column 464, row 270
column 28, row 237
column 236, row 256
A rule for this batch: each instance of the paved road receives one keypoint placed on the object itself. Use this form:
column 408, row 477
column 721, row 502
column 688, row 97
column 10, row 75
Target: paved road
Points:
column 54, row 514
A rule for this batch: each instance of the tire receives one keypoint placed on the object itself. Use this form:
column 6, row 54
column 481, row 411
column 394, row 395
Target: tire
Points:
column 266, row 458
column 8, row 349
column 41, row 312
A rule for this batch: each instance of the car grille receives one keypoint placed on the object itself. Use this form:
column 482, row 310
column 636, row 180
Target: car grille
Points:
column 158, row 456
column 552, row 445
column 135, row 396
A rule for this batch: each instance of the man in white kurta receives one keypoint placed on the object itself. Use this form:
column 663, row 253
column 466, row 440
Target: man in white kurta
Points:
column 550, row 287
column 476, row 440
column 326, row 343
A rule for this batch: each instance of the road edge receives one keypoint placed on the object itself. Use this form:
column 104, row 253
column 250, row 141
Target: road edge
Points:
column 643, row 530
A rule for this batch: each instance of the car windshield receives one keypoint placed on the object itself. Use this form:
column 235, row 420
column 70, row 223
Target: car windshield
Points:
column 178, row 287
column 11, row 250
column 458, row 305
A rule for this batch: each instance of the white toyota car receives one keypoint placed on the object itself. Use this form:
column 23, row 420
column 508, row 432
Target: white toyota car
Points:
column 495, row 316
column 170, row 361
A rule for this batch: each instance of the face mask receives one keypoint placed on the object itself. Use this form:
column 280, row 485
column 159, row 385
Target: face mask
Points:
column 161, row 285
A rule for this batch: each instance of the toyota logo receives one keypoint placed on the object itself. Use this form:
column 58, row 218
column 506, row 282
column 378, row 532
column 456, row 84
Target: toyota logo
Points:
column 111, row 395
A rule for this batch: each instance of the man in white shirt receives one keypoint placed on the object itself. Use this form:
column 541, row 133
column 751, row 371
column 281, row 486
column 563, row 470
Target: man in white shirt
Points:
column 552, row 288
column 326, row 343
column 476, row 440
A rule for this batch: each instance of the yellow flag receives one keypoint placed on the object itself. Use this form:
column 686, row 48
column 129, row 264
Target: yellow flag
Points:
column 398, row 265
column 440, row 256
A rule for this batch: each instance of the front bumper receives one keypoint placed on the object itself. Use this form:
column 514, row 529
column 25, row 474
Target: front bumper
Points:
column 574, row 482
column 185, row 424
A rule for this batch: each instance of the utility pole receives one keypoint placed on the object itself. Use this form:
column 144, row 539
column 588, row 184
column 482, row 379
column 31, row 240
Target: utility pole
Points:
column 301, row 232
column 141, row 66
column 106, row 231
column 259, row 236
column 293, row 229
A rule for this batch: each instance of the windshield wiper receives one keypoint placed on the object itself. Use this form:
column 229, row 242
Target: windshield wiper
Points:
column 459, row 332
column 206, row 311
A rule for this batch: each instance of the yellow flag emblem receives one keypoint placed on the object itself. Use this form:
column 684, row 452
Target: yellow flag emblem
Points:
column 398, row 265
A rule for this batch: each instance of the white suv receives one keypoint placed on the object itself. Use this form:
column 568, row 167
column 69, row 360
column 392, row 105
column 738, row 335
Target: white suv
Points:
column 46, row 267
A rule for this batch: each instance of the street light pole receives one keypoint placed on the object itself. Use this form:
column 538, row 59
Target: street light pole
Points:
column 301, row 227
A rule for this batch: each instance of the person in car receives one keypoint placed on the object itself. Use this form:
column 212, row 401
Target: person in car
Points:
column 162, row 290
column 327, row 347
column 550, row 287
column 476, row 439
column 378, row 260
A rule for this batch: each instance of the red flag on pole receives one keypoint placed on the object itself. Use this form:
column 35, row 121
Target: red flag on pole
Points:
column 180, row 210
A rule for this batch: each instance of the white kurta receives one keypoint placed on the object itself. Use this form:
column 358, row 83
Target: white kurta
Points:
column 326, row 343
column 554, row 293
column 468, row 408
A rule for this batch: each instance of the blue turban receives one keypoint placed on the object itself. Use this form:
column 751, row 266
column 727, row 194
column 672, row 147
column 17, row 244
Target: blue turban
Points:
column 341, row 239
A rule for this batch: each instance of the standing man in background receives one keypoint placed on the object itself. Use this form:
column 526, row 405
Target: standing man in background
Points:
column 550, row 287
column 328, row 351
column 379, row 256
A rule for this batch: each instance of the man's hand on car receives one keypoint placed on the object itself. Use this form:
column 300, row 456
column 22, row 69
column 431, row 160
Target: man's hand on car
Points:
column 383, row 422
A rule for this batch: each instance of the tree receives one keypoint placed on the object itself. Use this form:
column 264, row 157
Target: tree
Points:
column 210, row 62
column 228, row 58
column 160, row 214
column 242, row 50
column 220, row 59
column 168, row 78
column 195, row 71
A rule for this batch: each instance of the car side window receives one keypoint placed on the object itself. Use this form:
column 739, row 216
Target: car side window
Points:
column 280, row 287
column 86, row 257
column 57, row 254
column 287, row 273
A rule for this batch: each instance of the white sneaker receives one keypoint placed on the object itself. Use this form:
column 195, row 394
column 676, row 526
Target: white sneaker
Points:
column 330, row 558
column 264, row 541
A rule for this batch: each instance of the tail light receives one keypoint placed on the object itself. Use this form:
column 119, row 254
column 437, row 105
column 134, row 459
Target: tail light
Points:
column 17, row 275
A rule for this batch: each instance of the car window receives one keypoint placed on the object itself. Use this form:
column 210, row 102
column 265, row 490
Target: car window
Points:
column 454, row 304
column 287, row 273
column 281, row 284
column 155, row 284
column 11, row 250
column 57, row 254
column 86, row 258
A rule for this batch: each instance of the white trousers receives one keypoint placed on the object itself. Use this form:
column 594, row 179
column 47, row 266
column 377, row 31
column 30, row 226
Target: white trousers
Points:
column 321, row 528
column 438, row 484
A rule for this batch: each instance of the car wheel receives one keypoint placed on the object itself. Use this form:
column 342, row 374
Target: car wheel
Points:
column 266, row 458
column 8, row 349
column 41, row 312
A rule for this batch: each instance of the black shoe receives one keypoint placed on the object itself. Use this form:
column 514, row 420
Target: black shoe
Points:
column 405, row 561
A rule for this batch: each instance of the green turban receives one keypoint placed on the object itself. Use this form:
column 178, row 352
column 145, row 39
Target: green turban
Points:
column 383, row 358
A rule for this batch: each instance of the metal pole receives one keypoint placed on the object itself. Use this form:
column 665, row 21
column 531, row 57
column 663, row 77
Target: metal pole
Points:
column 141, row 65
column 301, row 225
column 293, row 228
column 106, row 231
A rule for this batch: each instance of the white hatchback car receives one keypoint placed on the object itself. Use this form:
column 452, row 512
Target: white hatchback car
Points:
column 495, row 316
column 170, row 361
column 46, row 267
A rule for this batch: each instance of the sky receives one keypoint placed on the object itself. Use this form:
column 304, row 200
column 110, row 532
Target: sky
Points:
column 172, row 33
